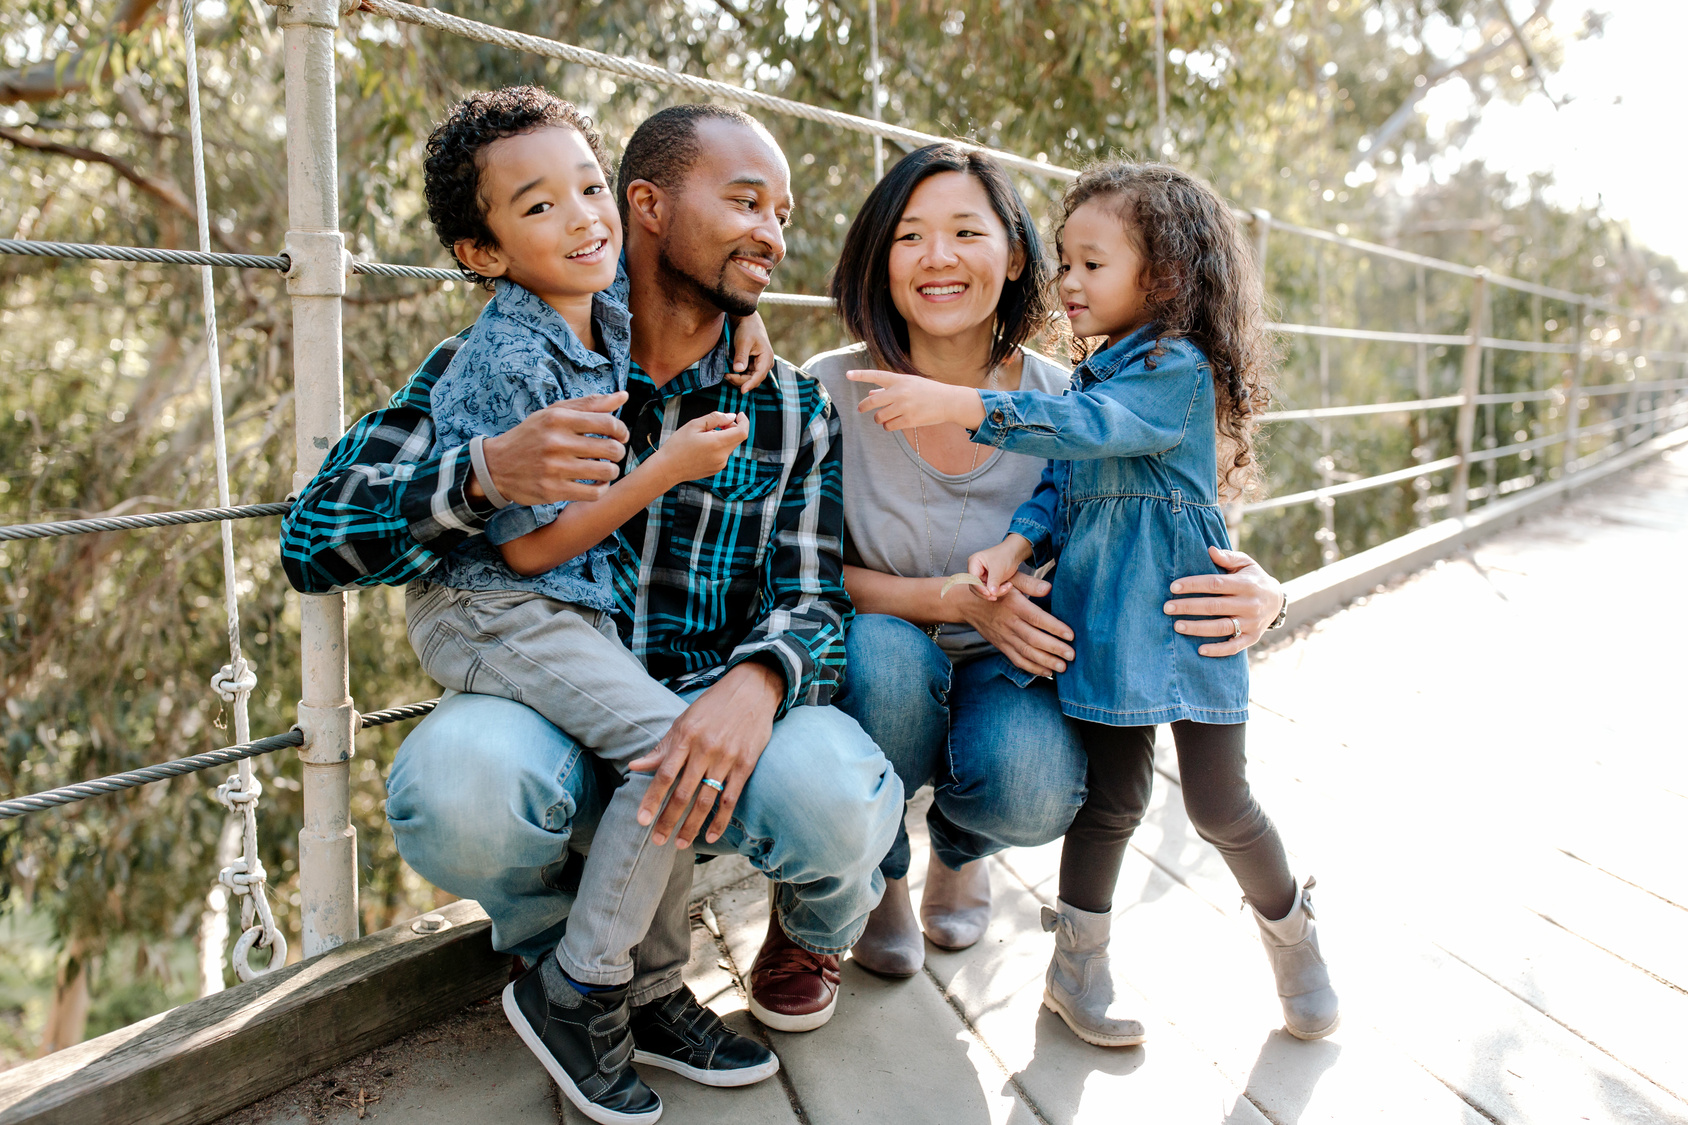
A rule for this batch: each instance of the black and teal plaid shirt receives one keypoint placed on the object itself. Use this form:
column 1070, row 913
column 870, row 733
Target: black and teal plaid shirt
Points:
column 744, row 565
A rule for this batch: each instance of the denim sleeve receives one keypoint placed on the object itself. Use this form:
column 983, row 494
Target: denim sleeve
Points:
column 1035, row 519
column 520, row 519
column 1138, row 412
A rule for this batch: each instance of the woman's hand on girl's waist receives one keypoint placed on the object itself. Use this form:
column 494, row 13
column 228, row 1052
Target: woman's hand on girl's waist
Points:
column 1236, row 606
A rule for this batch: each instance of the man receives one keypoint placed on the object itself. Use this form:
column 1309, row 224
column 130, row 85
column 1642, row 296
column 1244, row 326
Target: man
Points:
column 738, row 604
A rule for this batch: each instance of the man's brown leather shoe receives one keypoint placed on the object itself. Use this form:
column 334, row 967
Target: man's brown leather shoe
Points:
column 792, row 989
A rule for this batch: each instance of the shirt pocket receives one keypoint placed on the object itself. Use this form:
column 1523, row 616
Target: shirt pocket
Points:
column 748, row 475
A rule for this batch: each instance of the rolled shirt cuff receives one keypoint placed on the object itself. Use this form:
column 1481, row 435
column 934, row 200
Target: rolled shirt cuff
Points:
column 477, row 458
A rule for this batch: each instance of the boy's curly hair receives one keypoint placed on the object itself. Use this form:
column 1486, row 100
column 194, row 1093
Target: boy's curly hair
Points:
column 451, row 174
column 1202, row 284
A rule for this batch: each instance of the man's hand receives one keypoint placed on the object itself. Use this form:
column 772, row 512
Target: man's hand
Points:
column 546, row 458
column 1247, row 593
column 1034, row 641
column 904, row 402
column 753, row 353
column 721, row 736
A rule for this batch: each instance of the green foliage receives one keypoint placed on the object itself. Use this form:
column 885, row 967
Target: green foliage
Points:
column 107, row 642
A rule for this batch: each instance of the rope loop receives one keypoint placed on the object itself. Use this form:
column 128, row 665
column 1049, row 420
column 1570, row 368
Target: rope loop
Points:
column 235, row 795
column 234, row 680
column 239, row 879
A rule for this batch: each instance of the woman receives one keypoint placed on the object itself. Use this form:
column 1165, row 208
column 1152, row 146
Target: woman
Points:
column 943, row 275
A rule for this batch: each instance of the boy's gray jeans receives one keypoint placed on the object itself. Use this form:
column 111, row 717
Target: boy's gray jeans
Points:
column 566, row 662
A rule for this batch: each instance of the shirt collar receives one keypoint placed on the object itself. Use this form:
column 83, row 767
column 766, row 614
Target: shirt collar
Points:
column 1110, row 359
column 610, row 318
column 707, row 372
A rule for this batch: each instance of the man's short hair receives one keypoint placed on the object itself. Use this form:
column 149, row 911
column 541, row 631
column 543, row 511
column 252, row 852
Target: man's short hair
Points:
column 451, row 173
column 665, row 147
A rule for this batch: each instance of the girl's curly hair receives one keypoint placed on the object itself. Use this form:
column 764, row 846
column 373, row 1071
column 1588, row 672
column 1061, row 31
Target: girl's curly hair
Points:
column 1202, row 284
column 451, row 173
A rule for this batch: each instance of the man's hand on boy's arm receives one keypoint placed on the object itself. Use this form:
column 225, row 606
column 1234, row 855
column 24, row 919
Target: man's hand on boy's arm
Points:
column 1246, row 592
column 544, row 459
column 696, row 450
column 753, row 353
column 904, row 402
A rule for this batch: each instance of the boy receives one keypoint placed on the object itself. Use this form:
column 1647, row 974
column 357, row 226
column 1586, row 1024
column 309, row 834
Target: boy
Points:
column 516, row 189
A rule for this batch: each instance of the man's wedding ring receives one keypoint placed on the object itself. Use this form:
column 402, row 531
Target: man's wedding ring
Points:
column 1236, row 628
column 713, row 784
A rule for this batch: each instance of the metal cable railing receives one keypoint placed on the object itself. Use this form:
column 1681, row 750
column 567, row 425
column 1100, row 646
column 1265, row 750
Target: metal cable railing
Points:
column 163, row 771
column 132, row 523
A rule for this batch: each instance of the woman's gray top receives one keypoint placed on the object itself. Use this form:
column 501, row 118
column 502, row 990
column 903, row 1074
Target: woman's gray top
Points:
column 884, row 526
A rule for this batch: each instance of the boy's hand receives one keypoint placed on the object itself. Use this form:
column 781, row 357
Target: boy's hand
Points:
column 996, row 566
column 753, row 353
column 906, row 401
column 702, row 446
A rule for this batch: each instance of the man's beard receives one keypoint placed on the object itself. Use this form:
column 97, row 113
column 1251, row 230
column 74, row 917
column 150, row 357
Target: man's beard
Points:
column 714, row 292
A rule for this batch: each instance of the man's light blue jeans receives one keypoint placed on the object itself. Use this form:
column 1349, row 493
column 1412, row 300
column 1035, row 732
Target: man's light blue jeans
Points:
column 485, row 797
column 1005, row 766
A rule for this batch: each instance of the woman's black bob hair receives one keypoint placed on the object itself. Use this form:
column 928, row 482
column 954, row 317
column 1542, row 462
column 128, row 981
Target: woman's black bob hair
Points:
column 861, row 282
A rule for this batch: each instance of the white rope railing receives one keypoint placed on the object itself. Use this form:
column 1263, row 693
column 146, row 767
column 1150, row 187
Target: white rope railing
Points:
column 235, row 681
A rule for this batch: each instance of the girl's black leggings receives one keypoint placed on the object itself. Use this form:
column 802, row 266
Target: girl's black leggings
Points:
column 1216, row 796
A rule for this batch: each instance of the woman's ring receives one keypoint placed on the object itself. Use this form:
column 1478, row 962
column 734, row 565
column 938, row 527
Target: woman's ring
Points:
column 713, row 784
column 1236, row 628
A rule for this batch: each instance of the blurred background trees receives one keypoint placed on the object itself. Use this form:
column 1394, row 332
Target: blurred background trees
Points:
column 1306, row 108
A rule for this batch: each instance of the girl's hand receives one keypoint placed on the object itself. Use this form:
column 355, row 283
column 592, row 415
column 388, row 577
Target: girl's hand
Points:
column 753, row 353
column 996, row 566
column 906, row 401
column 1033, row 640
column 702, row 446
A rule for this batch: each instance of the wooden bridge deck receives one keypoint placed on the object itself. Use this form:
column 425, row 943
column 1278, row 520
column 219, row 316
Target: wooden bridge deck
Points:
column 1481, row 767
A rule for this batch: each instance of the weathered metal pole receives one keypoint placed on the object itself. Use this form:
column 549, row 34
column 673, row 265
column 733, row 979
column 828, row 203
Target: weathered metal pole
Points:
column 1573, row 403
column 1329, row 552
column 873, row 64
column 1421, row 376
column 327, row 842
column 1472, row 373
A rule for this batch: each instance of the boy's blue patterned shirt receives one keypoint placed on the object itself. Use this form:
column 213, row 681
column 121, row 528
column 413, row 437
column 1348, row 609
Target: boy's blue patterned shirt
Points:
column 521, row 356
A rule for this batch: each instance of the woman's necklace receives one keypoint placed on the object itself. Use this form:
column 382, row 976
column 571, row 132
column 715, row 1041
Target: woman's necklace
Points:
column 961, row 521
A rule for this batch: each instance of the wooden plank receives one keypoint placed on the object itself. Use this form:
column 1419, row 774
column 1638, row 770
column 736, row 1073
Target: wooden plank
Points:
column 197, row 1062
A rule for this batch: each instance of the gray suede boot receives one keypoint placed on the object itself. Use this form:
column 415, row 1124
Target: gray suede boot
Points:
column 1292, row 945
column 1079, row 987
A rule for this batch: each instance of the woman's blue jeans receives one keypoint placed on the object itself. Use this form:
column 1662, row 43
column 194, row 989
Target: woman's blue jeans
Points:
column 1005, row 766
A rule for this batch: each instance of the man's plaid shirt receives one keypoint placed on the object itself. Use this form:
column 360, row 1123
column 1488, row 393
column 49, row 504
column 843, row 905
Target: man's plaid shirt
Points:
column 743, row 565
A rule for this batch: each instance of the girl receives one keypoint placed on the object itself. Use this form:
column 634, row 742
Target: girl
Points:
column 1151, row 260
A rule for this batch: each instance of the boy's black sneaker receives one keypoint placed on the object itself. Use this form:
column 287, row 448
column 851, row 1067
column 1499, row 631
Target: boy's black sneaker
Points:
column 677, row 1033
column 584, row 1041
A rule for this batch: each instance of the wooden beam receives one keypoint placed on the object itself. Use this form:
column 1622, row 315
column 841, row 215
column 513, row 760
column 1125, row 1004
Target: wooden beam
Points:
column 198, row 1062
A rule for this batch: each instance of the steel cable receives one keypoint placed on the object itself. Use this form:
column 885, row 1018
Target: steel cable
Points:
column 146, row 775
column 132, row 523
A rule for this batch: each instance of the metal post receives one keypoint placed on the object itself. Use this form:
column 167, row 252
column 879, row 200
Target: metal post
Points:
column 873, row 62
column 1421, row 428
column 1160, row 79
column 327, row 842
column 1468, row 392
column 1326, row 535
column 1262, row 231
column 1573, row 406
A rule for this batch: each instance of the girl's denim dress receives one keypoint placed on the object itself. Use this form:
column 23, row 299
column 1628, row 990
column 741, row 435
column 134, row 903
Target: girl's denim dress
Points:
column 1128, row 502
